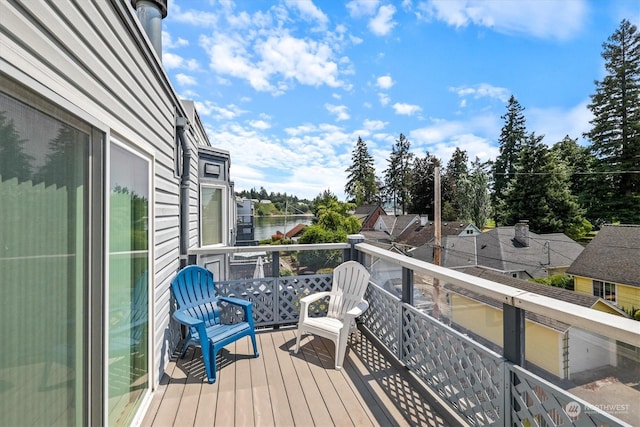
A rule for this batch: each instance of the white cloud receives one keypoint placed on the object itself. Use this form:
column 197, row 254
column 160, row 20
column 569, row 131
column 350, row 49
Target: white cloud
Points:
column 280, row 57
column 208, row 108
column 385, row 82
column 406, row 109
column 556, row 123
column 197, row 18
column 358, row 8
column 308, row 11
column 562, row 21
column 482, row 90
column 173, row 61
column 169, row 43
column 374, row 124
column 383, row 22
column 259, row 124
column 185, row 80
column 340, row 111
column 384, row 99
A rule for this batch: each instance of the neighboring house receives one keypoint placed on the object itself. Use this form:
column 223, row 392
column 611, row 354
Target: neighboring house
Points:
column 395, row 225
column 295, row 232
column 107, row 180
column 368, row 215
column 513, row 251
column 423, row 232
column 245, row 225
column 609, row 267
column 568, row 350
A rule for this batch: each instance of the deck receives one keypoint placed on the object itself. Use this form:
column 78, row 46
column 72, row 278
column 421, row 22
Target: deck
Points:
column 284, row 389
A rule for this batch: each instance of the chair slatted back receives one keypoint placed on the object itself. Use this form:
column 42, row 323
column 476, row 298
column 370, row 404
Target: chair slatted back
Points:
column 350, row 280
column 195, row 291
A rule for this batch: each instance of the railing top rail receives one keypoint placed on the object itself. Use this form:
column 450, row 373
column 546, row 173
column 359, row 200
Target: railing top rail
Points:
column 610, row 325
column 219, row 250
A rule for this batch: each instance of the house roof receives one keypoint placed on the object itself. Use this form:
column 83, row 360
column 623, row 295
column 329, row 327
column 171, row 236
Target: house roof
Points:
column 295, row 231
column 396, row 224
column 417, row 235
column 612, row 256
column 376, row 236
column 549, row 291
column 499, row 249
column 366, row 209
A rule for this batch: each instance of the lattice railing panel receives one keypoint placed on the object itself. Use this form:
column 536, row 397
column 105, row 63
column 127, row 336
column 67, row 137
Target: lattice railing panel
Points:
column 467, row 375
column 293, row 289
column 258, row 291
column 536, row 402
column 383, row 316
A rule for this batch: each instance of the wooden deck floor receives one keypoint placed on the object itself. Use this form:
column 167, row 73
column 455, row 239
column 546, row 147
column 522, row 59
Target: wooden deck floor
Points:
column 284, row 389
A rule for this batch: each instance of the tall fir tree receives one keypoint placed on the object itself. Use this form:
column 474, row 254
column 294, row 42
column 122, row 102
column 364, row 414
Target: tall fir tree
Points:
column 473, row 194
column 361, row 185
column 421, row 191
column 397, row 176
column 539, row 191
column 615, row 136
column 457, row 170
column 512, row 135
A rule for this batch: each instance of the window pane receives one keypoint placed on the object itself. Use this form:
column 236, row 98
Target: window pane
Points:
column 43, row 260
column 211, row 220
column 128, row 362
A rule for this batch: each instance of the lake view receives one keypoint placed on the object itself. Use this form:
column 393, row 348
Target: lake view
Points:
column 266, row 226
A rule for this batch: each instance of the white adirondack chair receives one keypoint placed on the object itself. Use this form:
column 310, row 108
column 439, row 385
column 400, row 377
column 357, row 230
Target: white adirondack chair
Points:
column 346, row 302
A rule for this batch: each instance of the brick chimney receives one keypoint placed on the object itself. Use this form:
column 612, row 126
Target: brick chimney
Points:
column 150, row 14
column 522, row 232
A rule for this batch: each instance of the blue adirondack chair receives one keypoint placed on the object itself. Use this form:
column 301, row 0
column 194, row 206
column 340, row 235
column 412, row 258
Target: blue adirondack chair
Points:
column 195, row 294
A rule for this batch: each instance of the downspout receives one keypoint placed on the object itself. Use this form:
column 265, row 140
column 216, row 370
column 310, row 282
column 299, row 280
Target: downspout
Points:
column 181, row 124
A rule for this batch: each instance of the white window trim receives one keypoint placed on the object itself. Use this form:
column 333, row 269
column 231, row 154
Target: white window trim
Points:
column 224, row 229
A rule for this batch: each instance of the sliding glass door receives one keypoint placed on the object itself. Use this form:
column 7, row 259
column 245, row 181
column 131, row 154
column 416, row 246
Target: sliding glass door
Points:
column 128, row 271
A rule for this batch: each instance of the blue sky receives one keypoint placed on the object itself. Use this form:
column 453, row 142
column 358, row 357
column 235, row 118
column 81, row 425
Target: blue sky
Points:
column 288, row 86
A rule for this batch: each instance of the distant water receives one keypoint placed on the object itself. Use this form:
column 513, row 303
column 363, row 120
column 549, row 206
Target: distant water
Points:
column 267, row 226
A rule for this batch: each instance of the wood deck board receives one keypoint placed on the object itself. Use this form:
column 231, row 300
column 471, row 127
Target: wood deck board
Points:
column 280, row 388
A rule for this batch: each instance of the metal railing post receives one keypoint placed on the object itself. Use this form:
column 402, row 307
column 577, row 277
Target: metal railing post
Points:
column 353, row 240
column 513, row 351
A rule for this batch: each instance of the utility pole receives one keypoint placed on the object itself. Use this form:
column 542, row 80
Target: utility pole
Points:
column 437, row 234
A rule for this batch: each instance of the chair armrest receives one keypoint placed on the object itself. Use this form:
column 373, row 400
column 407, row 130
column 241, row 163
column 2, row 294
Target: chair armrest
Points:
column 235, row 301
column 306, row 301
column 314, row 297
column 360, row 308
column 185, row 319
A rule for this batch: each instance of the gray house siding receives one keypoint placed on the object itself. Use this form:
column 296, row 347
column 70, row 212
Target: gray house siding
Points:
column 91, row 58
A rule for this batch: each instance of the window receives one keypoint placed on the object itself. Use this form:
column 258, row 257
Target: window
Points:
column 604, row 290
column 128, row 362
column 212, row 215
column 45, row 260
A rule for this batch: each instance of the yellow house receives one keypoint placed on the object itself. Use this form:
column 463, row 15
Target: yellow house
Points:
column 567, row 350
column 609, row 267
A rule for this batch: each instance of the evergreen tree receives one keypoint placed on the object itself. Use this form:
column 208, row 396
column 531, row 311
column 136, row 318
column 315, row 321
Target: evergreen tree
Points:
column 512, row 135
column 397, row 176
column 473, row 195
column 361, row 184
column 421, row 191
column 579, row 162
column 539, row 191
column 457, row 170
column 615, row 136
column 14, row 162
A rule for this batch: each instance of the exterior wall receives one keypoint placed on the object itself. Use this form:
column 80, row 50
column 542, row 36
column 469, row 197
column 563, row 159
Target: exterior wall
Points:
column 102, row 70
column 627, row 296
column 582, row 285
column 486, row 321
column 589, row 351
